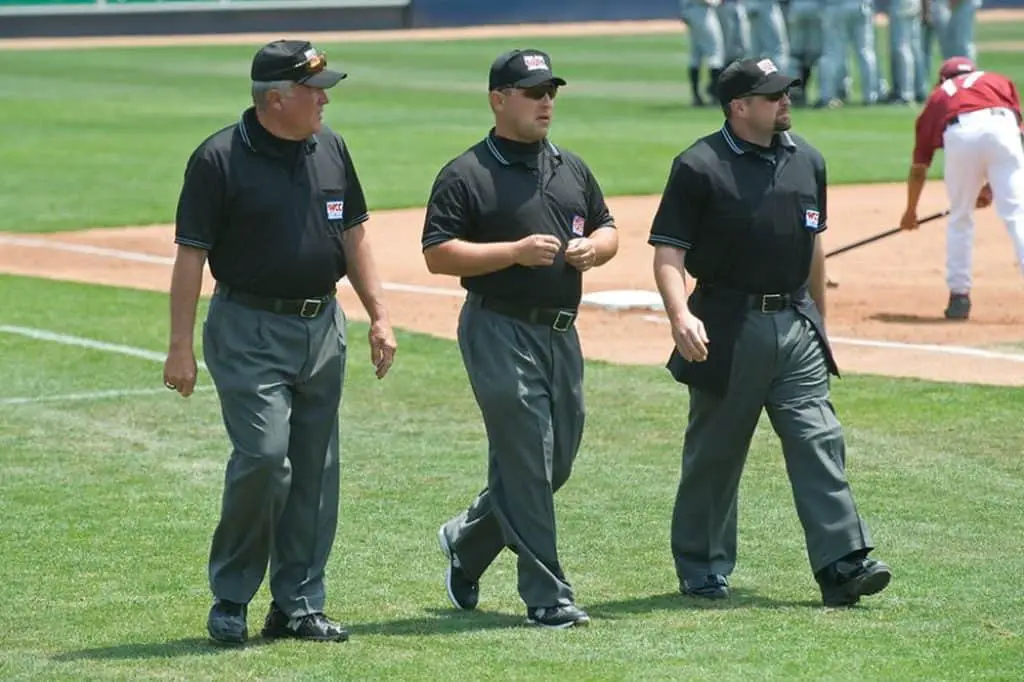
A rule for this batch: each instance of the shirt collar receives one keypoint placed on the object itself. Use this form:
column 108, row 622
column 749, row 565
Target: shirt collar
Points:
column 509, row 152
column 258, row 139
column 739, row 146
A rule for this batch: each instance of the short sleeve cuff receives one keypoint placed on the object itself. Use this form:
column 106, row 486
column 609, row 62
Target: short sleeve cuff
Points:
column 194, row 243
column 662, row 240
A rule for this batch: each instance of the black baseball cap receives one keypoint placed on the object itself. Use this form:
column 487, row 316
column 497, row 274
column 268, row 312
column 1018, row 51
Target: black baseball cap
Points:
column 522, row 69
column 294, row 60
column 752, row 77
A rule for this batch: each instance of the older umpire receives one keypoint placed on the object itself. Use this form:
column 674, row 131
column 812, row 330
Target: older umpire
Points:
column 742, row 212
column 274, row 202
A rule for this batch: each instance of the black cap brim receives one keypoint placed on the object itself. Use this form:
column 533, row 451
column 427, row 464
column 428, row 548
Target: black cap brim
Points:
column 538, row 79
column 325, row 79
column 776, row 83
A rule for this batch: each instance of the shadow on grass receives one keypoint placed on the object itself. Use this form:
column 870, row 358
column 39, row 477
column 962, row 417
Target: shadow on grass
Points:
column 191, row 646
column 675, row 601
column 440, row 622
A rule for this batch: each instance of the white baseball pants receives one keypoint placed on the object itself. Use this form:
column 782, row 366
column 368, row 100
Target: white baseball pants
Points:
column 983, row 146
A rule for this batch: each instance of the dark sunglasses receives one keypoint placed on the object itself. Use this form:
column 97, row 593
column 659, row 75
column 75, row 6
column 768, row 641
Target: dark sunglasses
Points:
column 776, row 96
column 537, row 92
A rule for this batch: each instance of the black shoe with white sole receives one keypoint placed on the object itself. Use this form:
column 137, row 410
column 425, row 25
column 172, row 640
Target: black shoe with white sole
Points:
column 557, row 617
column 463, row 591
column 313, row 627
column 844, row 582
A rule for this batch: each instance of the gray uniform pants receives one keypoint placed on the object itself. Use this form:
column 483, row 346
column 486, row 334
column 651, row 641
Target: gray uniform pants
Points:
column 279, row 380
column 528, row 382
column 778, row 365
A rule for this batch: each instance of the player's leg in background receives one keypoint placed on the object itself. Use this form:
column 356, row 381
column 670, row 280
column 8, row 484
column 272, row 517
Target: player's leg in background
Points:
column 830, row 69
column 965, row 164
column 862, row 29
column 713, row 51
column 904, row 16
column 960, row 31
column 1006, row 177
column 690, row 11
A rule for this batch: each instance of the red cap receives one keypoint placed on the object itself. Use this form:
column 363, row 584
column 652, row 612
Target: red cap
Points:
column 954, row 66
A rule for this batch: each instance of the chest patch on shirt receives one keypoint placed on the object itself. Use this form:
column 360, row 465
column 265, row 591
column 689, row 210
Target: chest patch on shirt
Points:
column 811, row 218
column 335, row 209
column 578, row 225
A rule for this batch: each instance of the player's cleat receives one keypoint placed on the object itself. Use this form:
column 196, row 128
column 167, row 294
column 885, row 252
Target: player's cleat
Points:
column 959, row 307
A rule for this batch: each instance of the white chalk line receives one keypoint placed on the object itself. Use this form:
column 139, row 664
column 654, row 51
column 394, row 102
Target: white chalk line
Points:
column 900, row 345
column 92, row 395
column 85, row 249
column 458, row 293
column 68, row 340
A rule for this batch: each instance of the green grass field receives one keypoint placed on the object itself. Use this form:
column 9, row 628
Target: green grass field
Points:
column 110, row 485
column 100, row 136
column 108, row 504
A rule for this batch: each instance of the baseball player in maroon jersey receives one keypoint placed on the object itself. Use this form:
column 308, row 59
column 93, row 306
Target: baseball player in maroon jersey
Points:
column 975, row 116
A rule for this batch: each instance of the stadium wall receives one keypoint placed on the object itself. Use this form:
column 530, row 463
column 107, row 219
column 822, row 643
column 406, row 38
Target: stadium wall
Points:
column 31, row 18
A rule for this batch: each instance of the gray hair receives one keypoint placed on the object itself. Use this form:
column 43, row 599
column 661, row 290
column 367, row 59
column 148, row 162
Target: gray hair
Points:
column 260, row 90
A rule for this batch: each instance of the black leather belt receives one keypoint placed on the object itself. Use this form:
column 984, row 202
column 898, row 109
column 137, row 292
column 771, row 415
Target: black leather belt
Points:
column 303, row 307
column 559, row 319
column 766, row 303
column 770, row 303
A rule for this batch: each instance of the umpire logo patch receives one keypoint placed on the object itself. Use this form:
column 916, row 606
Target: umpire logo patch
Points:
column 335, row 209
column 578, row 225
column 811, row 218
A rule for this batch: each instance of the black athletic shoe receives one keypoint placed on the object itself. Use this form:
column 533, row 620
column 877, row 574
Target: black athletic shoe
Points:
column 715, row 586
column 847, row 580
column 557, row 617
column 313, row 627
column 463, row 591
column 226, row 622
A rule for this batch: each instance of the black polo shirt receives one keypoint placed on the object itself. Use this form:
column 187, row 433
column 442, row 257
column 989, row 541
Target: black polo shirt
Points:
column 746, row 215
column 270, row 211
column 503, row 191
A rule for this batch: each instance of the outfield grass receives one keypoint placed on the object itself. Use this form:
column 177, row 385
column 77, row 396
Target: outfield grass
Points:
column 100, row 137
column 107, row 507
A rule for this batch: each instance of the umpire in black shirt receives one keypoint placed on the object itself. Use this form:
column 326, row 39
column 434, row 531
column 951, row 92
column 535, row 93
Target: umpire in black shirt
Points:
column 274, row 202
column 519, row 220
column 742, row 213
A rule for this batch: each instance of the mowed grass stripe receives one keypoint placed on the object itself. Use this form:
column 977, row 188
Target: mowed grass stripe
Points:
column 100, row 137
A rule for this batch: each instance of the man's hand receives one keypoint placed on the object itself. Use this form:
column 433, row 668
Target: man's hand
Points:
column 909, row 219
column 581, row 253
column 537, row 249
column 691, row 338
column 180, row 370
column 382, row 346
column 984, row 197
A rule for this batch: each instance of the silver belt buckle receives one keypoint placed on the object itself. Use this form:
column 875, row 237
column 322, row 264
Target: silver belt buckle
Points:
column 310, row 307
column 766, row 298
column 559, row 325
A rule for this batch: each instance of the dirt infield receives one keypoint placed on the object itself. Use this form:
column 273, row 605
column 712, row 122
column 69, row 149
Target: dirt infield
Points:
column 885, row 316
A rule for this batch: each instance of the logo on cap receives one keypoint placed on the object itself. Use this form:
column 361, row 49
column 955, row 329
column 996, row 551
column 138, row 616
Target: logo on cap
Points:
column 811, row 219
column 767, row 66
column 535, row 62
column 578, row 225
column 335, row 209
